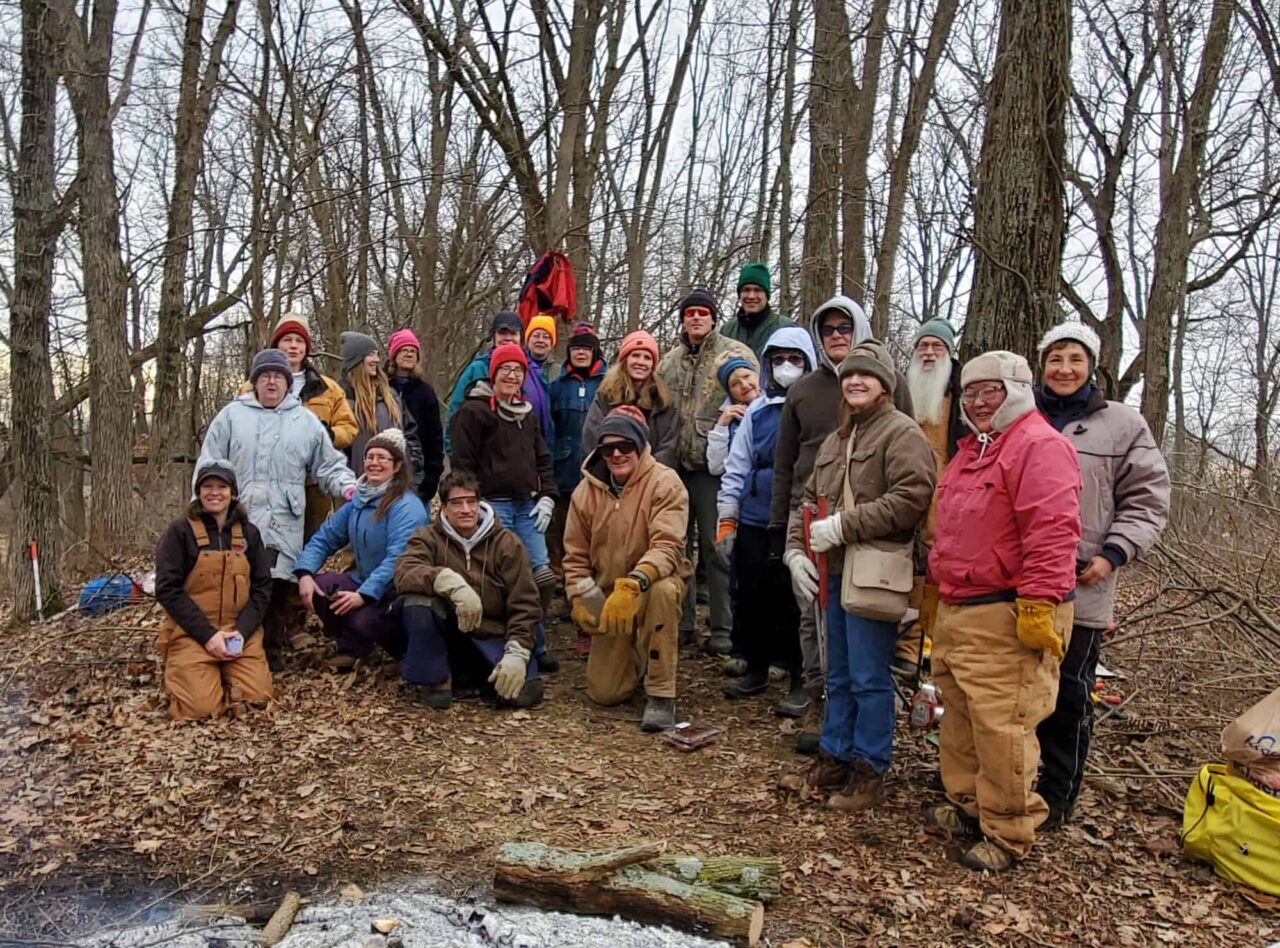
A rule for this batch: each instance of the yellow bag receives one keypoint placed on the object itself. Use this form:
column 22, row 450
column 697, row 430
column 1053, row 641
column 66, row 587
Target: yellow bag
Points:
column 1235, row 827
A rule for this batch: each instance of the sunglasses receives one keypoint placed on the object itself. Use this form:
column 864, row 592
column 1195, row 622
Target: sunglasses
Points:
column 779, row 360
column 614, row 448
column 696, row 311
column 838, row 329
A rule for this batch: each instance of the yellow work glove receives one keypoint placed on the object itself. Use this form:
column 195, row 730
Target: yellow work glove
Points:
column 582, row 617
column 1035, row 626
column 928, row 608
column 619, row 612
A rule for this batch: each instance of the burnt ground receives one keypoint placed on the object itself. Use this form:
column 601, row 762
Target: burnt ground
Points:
column 110, row 812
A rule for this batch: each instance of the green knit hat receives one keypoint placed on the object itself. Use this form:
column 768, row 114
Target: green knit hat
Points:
column 755, row 274
column 939, row 328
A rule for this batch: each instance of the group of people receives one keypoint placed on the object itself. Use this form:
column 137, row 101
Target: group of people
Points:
column 847, row 518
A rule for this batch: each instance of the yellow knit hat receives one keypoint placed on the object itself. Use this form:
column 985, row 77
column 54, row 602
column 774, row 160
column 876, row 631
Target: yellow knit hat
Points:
column 544, row 322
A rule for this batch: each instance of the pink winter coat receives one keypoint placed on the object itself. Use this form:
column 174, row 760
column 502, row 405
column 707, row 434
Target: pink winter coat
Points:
column 1008, row 517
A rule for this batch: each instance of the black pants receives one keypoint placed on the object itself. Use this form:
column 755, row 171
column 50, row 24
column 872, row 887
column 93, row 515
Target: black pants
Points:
column 767, row 618
column 1065, row 734
column 276, row 618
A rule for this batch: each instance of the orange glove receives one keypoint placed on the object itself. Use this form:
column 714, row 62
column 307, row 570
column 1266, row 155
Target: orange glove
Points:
column 725, row 538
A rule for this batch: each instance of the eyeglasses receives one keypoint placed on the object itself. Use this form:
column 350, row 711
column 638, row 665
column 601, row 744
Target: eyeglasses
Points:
column 930, row 345
column 463, row 502
column 842, row 329
column 988, row 393
column 697, row 311
column 617, row 447
column 780, row 360
column 511, row 370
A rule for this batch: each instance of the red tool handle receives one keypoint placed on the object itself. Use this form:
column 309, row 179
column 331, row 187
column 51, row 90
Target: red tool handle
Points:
column 819, row 559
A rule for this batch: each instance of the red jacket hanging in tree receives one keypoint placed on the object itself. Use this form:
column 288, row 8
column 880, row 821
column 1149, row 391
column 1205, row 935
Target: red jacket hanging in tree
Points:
column 548, row 288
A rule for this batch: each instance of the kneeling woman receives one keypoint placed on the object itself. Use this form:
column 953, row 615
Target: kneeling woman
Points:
column 377, row 522
column 214, row 580
column 876, row 472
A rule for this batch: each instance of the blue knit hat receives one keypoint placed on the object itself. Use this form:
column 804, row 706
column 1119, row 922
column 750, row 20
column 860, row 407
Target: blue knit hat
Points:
column 270, row 360
column 730, row 366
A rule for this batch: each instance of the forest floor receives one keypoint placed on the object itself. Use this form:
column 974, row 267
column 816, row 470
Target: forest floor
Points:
column 110, row 813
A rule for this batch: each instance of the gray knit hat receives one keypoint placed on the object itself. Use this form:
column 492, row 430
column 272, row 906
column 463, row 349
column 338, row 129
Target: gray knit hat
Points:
column 938, row 328
column 625, row 421
column 871, row 358
column 355, row 346
column 270, row 360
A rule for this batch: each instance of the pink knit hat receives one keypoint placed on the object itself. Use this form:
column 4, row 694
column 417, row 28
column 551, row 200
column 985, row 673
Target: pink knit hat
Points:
column 401, row 338
column 638, row 340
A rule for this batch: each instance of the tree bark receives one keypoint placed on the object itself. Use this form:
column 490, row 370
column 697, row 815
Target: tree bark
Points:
column 36, row 229
column 856, row 153
column 1019, row 210
column 821, row 244
column 1173, row 229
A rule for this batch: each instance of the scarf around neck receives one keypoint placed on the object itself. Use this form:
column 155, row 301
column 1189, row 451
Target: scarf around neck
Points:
column 369, row 494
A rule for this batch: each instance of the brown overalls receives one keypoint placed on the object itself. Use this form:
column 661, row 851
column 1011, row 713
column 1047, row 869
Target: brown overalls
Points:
column 199, row 685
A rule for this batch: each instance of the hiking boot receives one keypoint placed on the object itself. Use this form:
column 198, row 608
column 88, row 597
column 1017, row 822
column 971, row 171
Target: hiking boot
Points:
column 951, row 818
column 439, row 697
column 342, row 664
column 986, row 856
column 733, row 667
column 777, row 673
column 659, row 714
column 795, row 704
column 275, row 661
column 824, row 772
column 864, row 789
column 719, row 644
column 530, row 694
column 1059, row 816
column 752, row 683
column 548, row 664
column 809, row 736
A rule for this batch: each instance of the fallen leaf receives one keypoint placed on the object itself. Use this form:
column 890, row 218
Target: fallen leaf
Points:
column 351, row 894
column 306, row 789
column 145, row 846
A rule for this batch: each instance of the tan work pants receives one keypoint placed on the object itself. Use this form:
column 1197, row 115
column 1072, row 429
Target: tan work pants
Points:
column 618, row 662
column 201, row 686
column 995, row 692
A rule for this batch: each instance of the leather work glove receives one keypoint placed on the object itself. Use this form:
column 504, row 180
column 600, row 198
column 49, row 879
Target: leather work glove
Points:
column 725, row 537
column 827, row 533
column 582, row 617
column 507, row 676
column 928, row 608
column 466, row 602
column 1035, row 626
column 620, row 608
column 542, row 511
column 804, row 575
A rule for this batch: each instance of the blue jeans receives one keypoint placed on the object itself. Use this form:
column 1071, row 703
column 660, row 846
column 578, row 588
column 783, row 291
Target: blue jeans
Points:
column 436, row 651
column 517, row 516
column 860, row 699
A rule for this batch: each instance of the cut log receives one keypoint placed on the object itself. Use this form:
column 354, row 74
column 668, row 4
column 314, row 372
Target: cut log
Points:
column 748, row 877
column 564, row 881
column 282, row 920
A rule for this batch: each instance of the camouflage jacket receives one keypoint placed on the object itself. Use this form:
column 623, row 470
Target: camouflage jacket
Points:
column 691, row 374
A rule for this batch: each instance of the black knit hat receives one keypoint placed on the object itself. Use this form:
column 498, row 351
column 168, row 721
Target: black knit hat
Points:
column 698, row 296
column 628, row 422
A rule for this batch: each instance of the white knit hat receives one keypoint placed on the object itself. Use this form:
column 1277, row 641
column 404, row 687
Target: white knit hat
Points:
column 1071, row 332
column 390, row 440
column 1010, row 368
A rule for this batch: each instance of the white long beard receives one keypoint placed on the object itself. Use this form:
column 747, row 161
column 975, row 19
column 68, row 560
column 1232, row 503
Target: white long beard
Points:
column 928, row 389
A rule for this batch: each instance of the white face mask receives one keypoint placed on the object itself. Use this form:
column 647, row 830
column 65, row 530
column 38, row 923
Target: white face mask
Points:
column 786, row 374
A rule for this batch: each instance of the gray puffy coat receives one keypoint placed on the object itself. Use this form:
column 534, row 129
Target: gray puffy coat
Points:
column 273, row 451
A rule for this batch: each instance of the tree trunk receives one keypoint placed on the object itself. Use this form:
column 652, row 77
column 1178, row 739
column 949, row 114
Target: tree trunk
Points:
column 1173, row 228
column 858, row 124
column 818, row 268
column 35, row 238
column 87, row 62
column 1019, row 210
column 785, row 147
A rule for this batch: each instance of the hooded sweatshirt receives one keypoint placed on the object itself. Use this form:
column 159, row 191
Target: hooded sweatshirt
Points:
column 812, row 411
column 502, row 445
column 746, row 487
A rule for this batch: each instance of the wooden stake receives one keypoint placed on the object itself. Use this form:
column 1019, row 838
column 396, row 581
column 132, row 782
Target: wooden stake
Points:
column 282, row 920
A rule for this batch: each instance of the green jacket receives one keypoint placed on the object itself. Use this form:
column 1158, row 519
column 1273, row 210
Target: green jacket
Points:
column 755, row 334
column 691, row 374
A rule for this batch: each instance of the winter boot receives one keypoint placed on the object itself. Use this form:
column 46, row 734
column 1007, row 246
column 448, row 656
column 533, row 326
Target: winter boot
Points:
column 752, row 683
column 659, row 714
column 795, row 704
column 986, row 856
column 719, row 644
column 530, row 694
column 275, row 661
column 824, row 772
column 548, row 664
column 439, row 697
column 864, row 789
column 954, row 820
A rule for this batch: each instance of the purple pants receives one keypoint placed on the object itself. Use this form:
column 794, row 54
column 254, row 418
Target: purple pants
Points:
column 361, row 630
column 436, row 651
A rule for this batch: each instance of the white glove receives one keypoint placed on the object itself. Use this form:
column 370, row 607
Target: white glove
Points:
column 466, row 602
column 827, row 534
column 507, row 676
column 542, row 511
column 804, row 575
